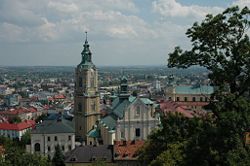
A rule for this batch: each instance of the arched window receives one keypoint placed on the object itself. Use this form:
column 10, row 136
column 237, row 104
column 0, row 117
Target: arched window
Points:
column 37, row 147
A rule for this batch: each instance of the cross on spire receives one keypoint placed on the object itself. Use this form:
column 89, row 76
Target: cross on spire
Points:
column 86, row 34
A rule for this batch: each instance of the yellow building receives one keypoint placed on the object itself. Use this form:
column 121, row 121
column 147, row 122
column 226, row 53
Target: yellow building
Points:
column 86, row 99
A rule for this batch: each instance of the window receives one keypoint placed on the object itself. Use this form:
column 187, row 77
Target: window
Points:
column 122, row 134
column 55, row 138
column 37, row 147
column 48, row 148
column 137, row 132
column 62, row 147
column 69, row 147
column 69, row 138
column 185, row 99
column 48, row 139
column 169, row 98
column 201, row 99
column 79, row 107
column 194, row 99
column 137, row 111
column 93, row 107
column 206, row 99
column 178, row 99
column 80, row 81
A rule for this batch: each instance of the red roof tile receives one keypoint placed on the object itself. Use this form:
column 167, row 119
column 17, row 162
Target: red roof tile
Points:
column 127, row 150
column 18, row 111
column 59, row 96
column 171, row 106
column 18, row 126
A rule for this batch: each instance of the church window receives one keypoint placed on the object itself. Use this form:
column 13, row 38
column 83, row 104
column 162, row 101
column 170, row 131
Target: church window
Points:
column 93, row 107
column 137, row 132
column 48, row 148
column 79, row 107
column 185, row 99
column 201, row 99
column 122, row 134
column 37, row 147
column 137, row 111
column 194, row 99
column 80, row 81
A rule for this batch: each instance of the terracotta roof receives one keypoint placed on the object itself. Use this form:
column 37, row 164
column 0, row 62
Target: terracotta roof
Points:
column 171, row 106
column 127, row 150
column 18, row 126
column 18, row 111
column 59, row 96
column 192, row 103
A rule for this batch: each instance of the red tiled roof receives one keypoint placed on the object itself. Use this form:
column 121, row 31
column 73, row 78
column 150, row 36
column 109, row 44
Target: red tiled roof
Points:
column 171, row 106
column 18, row 111
column 59, row 96
column 18, row 126
column 182, row 103
column 127, row 150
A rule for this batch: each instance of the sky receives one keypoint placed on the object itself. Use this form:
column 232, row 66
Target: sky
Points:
column 120, row 32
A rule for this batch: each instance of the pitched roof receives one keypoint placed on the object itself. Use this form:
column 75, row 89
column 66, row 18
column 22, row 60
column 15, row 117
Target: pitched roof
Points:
column 194, row 89
column 171, row 106
column 18, row 111
column 54, row 126
column 17, row 126
column 127, row 150
column 89, row 153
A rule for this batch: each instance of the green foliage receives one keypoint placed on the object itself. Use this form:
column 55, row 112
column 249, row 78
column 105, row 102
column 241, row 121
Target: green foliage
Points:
column 15, row 119
column 16, row 155
column 41, row 117
column 220, row 44
column 58, row 159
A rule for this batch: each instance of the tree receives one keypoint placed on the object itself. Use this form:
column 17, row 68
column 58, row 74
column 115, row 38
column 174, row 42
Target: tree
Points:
column 220, row 44
column 58, row 159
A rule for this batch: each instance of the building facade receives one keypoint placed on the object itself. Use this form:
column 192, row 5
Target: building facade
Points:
column 128, row 118
column 46, row 136
column 86, row 99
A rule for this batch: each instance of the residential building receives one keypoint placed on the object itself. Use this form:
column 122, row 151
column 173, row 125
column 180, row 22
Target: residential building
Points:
column 85, row 155
column 193, row 97
column 21, row 112
column 50, row 133
column 16, row 130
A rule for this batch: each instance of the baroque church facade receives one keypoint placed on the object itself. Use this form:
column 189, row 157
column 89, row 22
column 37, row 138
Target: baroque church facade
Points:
column 129, row 117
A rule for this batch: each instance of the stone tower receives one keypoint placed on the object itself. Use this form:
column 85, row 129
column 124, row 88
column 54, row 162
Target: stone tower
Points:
column 86, row 99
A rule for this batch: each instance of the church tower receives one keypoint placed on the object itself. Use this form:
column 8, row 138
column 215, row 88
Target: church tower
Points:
column 86, row 99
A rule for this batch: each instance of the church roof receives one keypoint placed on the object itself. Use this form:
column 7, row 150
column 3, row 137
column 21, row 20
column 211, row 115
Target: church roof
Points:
column 86, row 62
column 194, row 89
column 54, row 126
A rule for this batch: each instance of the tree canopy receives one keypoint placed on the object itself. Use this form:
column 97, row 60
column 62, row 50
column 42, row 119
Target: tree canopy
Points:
column 219, row 43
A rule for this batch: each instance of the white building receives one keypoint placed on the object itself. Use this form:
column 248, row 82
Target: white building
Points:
column 51, row 133
column 16, row 130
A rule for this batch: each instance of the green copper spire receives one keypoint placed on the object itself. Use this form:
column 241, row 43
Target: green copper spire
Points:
column 86, row 54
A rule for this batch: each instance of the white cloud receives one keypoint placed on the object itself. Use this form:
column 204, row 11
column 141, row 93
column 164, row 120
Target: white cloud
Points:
column 173, row 8
column 63, row 7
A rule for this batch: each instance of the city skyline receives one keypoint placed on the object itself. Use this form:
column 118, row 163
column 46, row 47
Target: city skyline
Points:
column 51, row 33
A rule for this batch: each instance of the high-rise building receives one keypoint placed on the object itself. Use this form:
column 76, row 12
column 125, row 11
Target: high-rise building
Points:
column 86, row 99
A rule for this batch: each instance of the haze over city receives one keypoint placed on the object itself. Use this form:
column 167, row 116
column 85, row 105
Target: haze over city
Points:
column 51, row 33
